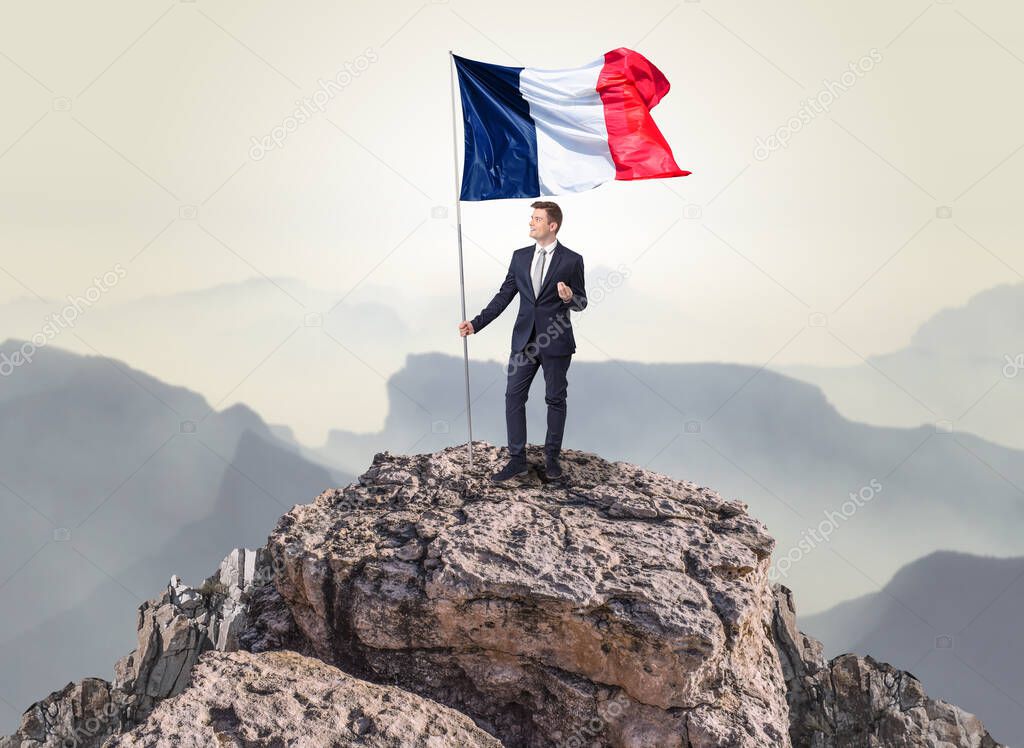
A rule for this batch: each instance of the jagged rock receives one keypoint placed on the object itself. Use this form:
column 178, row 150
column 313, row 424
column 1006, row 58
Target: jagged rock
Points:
column 857, row 701
column 284, row 698
column 622, row 607
column 173, row 630
column 182, row 624
column 80, row 715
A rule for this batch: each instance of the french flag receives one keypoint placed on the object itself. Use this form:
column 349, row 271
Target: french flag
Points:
column 532, row 132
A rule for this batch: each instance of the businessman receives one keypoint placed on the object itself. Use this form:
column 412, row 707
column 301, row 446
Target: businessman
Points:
column 548, row 276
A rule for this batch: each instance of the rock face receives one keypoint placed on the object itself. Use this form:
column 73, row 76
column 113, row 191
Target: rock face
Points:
column 858, row 701
column 183, row 623
column 284, row 698
column 623, row 607
column 617, row 608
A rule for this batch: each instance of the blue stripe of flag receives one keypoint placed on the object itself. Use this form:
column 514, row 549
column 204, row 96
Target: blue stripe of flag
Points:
column 501, row 137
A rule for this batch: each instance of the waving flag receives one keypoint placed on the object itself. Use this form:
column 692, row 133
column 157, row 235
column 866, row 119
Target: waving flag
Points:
column 532, row 132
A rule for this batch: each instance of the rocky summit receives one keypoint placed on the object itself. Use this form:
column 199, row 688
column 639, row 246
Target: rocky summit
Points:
column 424, row 605
column 540, row 608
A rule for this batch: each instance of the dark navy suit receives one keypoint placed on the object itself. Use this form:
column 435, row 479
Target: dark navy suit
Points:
column 542, row 336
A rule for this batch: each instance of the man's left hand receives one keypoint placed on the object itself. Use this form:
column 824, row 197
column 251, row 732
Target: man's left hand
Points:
column 564, row 292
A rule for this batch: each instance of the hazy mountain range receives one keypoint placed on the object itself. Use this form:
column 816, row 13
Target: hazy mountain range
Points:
column 964, row 365
column 953, row 620
column 111, row 481
column 293, row 352
column 238, row 342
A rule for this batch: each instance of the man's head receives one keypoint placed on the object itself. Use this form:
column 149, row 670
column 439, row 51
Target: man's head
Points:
column 545, row 221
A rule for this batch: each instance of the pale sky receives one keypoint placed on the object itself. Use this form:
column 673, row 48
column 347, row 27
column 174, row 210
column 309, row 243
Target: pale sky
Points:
column 128, row 132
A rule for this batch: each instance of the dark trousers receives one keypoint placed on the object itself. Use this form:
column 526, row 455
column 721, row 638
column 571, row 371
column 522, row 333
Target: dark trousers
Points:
column 522, row 366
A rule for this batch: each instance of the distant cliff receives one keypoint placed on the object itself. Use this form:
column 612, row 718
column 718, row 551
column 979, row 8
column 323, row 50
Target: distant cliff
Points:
column 425, row 606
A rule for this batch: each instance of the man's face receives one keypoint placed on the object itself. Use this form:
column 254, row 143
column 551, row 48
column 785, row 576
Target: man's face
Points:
column 540, row 229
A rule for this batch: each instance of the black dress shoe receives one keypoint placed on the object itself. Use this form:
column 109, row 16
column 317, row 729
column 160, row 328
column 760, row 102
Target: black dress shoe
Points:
column 511, row 470
column 552, row 469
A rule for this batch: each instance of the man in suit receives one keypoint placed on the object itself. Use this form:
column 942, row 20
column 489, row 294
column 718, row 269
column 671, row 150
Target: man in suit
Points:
column 548, row 276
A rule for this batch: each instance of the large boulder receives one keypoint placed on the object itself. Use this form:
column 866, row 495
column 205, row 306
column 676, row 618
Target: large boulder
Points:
column 619, row 606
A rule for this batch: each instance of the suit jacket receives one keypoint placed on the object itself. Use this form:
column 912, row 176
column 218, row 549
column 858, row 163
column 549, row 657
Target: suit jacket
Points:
column 545, row 313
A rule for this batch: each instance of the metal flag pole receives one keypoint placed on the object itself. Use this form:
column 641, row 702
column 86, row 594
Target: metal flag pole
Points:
column 462, row 281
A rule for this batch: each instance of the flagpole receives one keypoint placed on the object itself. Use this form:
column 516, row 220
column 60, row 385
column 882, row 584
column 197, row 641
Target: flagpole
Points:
column 462, row 281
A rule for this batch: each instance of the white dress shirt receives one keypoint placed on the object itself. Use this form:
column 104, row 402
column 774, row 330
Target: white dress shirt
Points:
column 550, row 249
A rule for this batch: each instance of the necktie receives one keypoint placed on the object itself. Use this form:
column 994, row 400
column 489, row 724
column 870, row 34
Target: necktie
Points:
column 538, row 271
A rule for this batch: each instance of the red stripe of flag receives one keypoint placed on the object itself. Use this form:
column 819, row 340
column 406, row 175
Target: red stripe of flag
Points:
column 630, row 86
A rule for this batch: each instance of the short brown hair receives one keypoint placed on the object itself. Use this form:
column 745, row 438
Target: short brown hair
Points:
column 553, row 211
